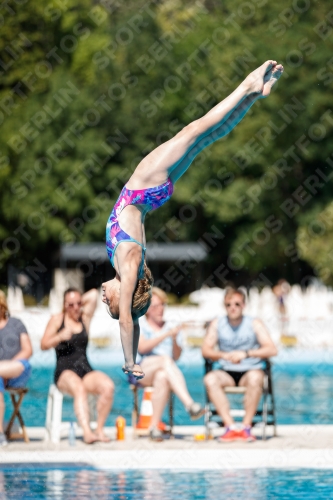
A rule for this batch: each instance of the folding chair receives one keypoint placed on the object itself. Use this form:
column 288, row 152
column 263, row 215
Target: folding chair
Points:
column 54, row 426
column 265, row 414
column 17, row 395
column 135, row 386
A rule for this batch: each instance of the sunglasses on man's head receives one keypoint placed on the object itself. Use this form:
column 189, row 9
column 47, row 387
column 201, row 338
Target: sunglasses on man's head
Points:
column 237, row 304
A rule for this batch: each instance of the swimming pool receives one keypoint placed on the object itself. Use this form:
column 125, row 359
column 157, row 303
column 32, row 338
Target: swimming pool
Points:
column 85, row 483
column 303, row 390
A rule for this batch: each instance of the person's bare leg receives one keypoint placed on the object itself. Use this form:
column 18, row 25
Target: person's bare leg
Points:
column 253, row 381
column 160, row 396
column 99, row 383
column 157, row 166
column 2, row 411
column 235, row 117
column 156, row 377
column 72, row 384
column 150, row 365
column 11, row 369
column 214, row 382
column 175, row 377
column 177, row 381
column 225, row 128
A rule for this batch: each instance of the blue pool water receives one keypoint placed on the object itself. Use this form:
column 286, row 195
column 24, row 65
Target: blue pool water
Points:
column 86, row 483
column 303, row 391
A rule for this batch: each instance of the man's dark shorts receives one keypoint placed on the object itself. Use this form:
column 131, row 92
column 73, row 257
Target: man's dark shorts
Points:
column 236, row 375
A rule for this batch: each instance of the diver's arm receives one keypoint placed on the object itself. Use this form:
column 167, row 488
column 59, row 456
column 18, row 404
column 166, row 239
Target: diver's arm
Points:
column 136, row 338
column 126, row 323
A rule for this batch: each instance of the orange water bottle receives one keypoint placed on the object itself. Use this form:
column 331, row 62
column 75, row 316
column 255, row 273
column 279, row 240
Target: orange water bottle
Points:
column 120, row 426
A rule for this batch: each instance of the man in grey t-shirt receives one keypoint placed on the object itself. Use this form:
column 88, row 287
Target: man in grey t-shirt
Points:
column 15, row 350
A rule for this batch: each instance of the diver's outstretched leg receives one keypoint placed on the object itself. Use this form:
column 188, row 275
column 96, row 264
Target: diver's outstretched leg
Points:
column 228, row 124
column 160, row 163
column 224, row 129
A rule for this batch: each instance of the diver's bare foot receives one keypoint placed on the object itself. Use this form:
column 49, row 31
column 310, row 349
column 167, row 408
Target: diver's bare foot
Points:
column 270, row 79
column 135, row 370
column 90, row 438
column 254, row 82
column 102, row 437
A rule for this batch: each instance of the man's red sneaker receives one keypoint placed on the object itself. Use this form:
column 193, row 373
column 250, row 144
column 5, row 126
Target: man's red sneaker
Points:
column 229, row 435
column 245, row 435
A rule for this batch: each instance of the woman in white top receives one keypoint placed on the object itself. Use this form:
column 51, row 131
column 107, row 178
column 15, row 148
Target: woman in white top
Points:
column 160, row 347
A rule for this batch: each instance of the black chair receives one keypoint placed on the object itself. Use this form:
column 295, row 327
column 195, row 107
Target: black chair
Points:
column 265, row 413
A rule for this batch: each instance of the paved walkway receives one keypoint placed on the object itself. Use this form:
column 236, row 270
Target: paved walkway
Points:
column 294, row 446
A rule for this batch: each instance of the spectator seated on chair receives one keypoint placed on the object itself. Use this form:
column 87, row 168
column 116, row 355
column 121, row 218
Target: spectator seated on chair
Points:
column 242, row 343
column 160, row 347
column 15, row 351
column 67, row 332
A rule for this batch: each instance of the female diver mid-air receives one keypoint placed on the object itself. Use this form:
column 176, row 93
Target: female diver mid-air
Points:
column 151, row 185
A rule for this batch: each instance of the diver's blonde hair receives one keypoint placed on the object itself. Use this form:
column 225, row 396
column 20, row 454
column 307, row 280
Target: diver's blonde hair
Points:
column 141, row 297
column 142, row 293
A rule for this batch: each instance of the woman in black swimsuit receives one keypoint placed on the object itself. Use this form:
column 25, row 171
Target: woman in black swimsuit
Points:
column 67, row 332
column 71, row 354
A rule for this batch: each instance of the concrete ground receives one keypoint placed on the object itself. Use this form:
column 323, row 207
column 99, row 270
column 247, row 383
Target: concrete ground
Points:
column 294, row 446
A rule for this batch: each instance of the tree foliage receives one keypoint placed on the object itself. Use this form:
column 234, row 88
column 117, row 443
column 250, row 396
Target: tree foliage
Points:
column 89, row 89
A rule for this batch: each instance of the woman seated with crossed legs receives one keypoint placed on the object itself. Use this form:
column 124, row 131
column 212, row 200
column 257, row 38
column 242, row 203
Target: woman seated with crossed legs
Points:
column 160, row 347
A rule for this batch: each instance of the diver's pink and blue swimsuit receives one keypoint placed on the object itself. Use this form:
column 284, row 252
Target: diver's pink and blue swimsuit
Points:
column 151, row 198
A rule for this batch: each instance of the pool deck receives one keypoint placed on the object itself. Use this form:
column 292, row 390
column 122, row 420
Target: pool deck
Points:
column 295, row 446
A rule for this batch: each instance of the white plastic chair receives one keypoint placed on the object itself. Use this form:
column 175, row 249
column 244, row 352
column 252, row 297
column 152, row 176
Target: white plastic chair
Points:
column 54, row 426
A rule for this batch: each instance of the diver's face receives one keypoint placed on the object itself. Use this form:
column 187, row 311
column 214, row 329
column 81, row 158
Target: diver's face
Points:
column 111, row 294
